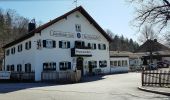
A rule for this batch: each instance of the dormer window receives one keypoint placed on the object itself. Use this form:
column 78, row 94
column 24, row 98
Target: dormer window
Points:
column 78, row 27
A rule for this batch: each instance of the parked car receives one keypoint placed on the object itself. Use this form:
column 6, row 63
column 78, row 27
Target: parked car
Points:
column 151, row 66
column 161, row 64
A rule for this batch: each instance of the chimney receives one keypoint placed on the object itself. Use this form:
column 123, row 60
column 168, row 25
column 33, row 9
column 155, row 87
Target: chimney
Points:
column 155, row 40
column 31, row 25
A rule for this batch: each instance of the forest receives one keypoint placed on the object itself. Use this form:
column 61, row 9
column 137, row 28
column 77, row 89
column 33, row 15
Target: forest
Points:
column 121, row 43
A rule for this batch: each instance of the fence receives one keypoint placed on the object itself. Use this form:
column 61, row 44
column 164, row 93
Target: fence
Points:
column 62, row 76
column 156, row 78
column 21, row 76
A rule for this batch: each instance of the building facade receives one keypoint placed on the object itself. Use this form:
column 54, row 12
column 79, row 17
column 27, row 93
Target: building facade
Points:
column 69, row 42
column 119, row 61
column 119, row 64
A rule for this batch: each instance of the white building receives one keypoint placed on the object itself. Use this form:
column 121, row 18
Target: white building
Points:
column 119, row 62
column 71, row 41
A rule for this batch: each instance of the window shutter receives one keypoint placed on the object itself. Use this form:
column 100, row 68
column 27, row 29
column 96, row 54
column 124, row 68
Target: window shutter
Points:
column 54, row 66
column 105, row 63
column 44, row 43
column 18, row 48
column 99, row 46
column 68, row 44
column 60, row 44
column 26, row 45
column 94, row 46
column 95, row 63
column 89, row 45
column 21, row 47
column 69, row 65
column 14, row 50
column 29, row 44
column 54, row 44
column 100, row 63
column 83, row 44
column 104, row 46
column 43, row 66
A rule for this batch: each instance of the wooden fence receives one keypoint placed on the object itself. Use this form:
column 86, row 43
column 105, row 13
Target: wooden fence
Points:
column 62, row 76
column 156, row 78
column 22, row 76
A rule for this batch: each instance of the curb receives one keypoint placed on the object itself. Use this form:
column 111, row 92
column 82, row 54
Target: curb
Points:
column 152, row 91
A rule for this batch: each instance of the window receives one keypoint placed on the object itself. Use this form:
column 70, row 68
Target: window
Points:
column 13, row 50
column 92, row 45
column 28, row 67
column 93, row 64
column 10, row 67
column 19, row 68
column 20, row 48
column 28, row 45
column 103, row 63
column 78, row 27
column 119, row 63
column 115, row 63
column 49, row 66
column 101, row 46
column 79, row 44
column 64, row 44
column 49, row 43
column 124, row 62
column 111, row 64
column 65, row 65
column 7, row 52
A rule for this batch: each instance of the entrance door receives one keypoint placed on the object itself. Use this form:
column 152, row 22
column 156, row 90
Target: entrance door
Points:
column 80, row 64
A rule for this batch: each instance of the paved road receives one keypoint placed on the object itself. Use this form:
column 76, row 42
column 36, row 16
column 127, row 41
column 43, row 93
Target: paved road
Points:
column 109, row 87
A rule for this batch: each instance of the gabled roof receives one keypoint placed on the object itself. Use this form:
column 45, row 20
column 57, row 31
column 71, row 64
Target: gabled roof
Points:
column 38, row 30
column 152, row 45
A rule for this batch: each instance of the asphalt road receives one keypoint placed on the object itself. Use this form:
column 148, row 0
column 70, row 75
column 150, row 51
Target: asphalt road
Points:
column 109, row 87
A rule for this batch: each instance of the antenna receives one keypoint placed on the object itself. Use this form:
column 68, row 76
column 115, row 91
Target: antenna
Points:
column 75, row 2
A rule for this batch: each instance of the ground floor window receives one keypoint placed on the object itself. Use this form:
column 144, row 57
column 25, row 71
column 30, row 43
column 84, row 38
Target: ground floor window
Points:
column 65, row 65
column 124, row 62
column 113, row 63
column 10, row 68
column 28, row 67
column 49, row 66
column 93, row 64
column 119, row 63
column 103, row 63
column 19, row 68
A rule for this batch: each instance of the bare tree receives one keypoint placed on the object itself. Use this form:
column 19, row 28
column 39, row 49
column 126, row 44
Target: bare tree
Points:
column 147, row 33
column 155, row 12
column 167, row 38
column 110, row 33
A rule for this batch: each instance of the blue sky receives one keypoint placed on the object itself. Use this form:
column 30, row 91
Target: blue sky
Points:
column 109, row 14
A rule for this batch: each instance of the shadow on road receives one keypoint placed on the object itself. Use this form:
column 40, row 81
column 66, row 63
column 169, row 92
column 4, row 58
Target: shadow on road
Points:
column 7, row 87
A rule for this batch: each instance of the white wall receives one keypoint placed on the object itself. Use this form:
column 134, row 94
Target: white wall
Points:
column 38, row 56
column 23, row 57
column 68, row 25
column 117, row 69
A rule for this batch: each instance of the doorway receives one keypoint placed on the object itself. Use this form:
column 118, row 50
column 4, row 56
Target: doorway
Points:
column 80, row 64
